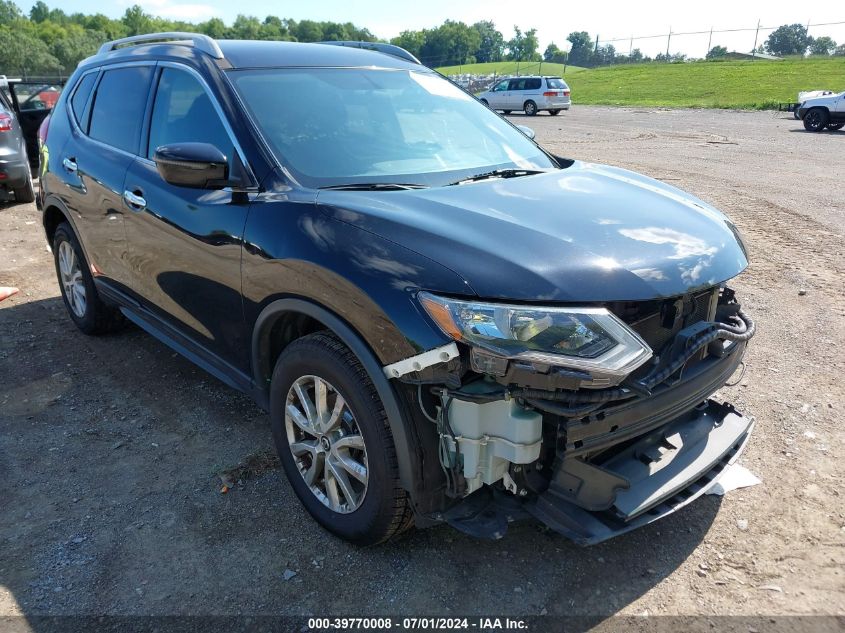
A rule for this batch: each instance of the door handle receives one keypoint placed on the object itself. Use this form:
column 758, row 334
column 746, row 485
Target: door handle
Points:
column 70, row 165
column 134, row 201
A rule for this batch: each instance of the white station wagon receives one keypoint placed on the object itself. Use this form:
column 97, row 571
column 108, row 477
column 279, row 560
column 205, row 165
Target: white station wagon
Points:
column 529, row 94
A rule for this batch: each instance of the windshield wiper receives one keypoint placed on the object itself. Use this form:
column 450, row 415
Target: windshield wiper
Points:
column 375, row 186
column 499, row 173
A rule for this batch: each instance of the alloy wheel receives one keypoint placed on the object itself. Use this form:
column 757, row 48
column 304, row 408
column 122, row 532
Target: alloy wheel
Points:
column 326, row 443
column 72, row 281
column 814, row 119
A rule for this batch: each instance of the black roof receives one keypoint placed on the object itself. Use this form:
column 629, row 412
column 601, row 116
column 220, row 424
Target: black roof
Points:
column 267, row 54
column 255, row 54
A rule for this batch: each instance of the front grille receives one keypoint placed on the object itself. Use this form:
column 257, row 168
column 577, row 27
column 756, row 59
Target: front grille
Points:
column 674, row 314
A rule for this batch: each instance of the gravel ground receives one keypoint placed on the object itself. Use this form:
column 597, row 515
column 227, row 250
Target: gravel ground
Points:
column 110, row 448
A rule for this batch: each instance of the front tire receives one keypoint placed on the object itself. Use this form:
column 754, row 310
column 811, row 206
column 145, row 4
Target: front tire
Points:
column 486, row 103
column 530, row 108
column 507, row 111
column 554, row 112
column 334, row 441
column 83, row 303
column 816, row 119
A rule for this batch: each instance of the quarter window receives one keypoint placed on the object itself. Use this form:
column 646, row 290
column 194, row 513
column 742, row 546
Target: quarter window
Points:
column 80, row 99
column 532, row 84
column 119, row 105
column 183, row 112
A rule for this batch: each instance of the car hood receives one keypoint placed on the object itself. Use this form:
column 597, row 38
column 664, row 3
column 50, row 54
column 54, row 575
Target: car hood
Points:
column 584, row 233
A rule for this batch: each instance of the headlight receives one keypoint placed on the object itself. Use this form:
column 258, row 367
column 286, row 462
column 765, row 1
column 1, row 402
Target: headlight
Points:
column 589, row 339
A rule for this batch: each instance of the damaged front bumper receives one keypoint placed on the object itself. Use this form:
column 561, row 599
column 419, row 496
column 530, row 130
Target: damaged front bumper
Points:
column 519, row 440
column 653, row 477
column 659, row 473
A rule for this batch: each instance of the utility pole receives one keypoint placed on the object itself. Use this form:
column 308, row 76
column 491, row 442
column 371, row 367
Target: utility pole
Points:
column 631, row 47
column 668, row 41
column 597, row 44
column 710, row 41
column 756, row 33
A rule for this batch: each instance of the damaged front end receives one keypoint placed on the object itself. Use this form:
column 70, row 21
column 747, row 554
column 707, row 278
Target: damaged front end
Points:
column 594, row 420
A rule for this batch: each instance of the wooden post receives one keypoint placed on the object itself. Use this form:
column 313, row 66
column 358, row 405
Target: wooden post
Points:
column 668, row 41
column 710, row 41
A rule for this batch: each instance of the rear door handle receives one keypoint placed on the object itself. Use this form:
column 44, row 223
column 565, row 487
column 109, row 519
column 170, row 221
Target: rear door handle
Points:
column 70, row 165
column 134, row 201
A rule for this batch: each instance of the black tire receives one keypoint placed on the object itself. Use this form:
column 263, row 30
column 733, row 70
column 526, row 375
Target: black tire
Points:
column 554, row 112
column 530, row 108
column 26, row 192
column 96, row 317
column 507, row 111
column 484, row 101
column 835, row 126
column 816, row 119
column 384, row 510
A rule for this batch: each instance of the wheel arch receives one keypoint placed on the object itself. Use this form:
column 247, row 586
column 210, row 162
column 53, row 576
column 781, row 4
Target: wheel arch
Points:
column 283, row 321
column 55, row 213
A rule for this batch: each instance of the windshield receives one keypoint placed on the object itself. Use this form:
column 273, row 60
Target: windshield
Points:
column 333, row 126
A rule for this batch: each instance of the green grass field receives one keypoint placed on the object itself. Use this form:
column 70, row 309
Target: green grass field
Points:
column 510, row 68
column 729, row 84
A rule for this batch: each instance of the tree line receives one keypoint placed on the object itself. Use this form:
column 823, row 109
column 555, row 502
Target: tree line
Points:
column 50, row 41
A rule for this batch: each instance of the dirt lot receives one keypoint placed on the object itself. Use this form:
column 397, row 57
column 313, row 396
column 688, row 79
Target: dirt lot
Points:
column 110, row 447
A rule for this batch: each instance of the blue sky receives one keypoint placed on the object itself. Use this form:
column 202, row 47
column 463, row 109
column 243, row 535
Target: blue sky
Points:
column 553, row 19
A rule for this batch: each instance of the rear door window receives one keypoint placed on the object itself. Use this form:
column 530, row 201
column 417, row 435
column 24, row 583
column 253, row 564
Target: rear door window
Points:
column 183, row 112
column 532, row 84
column 80, row 99
column 119, row 104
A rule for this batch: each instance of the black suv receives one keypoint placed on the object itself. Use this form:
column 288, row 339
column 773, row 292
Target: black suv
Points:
column 445, row 321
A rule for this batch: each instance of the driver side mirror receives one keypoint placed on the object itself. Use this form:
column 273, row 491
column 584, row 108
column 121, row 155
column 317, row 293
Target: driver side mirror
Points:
column 195, row 165
column 527, row 131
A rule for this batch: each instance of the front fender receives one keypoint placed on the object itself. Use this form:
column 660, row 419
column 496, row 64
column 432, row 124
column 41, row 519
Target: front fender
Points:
column 293, row 250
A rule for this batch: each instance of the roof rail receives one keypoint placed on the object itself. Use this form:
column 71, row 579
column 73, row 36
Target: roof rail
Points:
column 381, row 47
column 199, row 41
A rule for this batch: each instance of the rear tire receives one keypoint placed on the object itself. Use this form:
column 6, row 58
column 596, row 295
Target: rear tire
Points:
column 84, row 306
column 816, row 119
column 835, row 126
column 341, row 462
column 26, row 192
column 530, row 108
column 554, row 112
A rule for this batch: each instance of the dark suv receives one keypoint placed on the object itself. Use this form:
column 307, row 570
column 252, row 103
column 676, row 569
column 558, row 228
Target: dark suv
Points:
column 445, row 321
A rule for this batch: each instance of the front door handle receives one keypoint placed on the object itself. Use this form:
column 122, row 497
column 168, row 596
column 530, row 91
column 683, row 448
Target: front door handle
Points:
column 134, row 201
column 70, row 165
